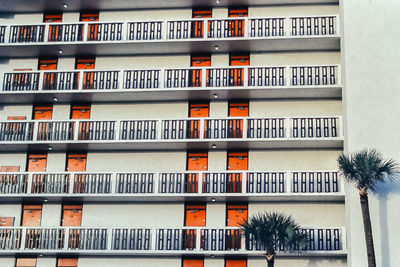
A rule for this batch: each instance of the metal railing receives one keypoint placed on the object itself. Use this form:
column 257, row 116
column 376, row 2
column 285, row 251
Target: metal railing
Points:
column 204, row 77
column 169, row 30
column 206, row 183
column 176, row 129
column 200, row 240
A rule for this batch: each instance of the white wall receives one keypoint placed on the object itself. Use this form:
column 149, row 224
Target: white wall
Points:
column 371, row 107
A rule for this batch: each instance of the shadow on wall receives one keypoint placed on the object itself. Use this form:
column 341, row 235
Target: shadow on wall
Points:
column 322, row 261
column 384, row 191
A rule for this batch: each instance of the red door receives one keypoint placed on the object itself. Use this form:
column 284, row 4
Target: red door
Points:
column 72, row 215
column 42, row 112
column 198, row 26
column 49, row 81
column 36, row 163
column 237, row 109
column 196, row 161
column 81, row 112
column 236, row 161
column 31, row 215
column 76, row 162
column 236, row 27
column 195, row 215
column 199, row 61
column 236, row 75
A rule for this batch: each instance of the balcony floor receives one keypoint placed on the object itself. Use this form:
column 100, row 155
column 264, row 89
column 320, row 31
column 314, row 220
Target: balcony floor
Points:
column 154, row 145
column 272, row 44
column 183, row 94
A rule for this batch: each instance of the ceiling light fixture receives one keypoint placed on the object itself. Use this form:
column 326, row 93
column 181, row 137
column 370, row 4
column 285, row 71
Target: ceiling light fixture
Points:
column 65, row 5
column 216, row 47
column 215, row 96
column 55, row 99
column 50, row 148
column 217, row 1
column 213, row 199
column 214, row 146
column 60, row 51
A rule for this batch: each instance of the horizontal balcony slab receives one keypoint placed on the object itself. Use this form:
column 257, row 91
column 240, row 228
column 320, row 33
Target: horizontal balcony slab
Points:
column 78, row 5
column 174, row 134
column 251, row 82
column 310, row 143
column 171, row 47
column 182, row 94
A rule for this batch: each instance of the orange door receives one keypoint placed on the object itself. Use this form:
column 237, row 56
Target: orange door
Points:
column 236, row 75
column 238, row 109
column 42, row 112
column 67, row 262
column 235, row 263
column 54, row 30
column 236, row 27
column 31, row 215
column 197, row 110
column 237, row 161
column 76, row 162
column 86, row 64
column 199, row 61
column 235, row 214
column 72, row 215
column 198, row 26
column 25, row 262
column 195, row 215
column 192, row 262
column 36, row 163
column 195, row 162
column 6, row 221
column 49, row 80
column 80, row 112
column 9, row 169
column 93, row 28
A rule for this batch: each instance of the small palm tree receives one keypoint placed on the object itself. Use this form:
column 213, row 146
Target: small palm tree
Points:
column 272, row 230
column 366, row 169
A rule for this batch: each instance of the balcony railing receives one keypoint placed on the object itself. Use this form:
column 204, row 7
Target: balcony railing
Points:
column 199, row 240
column 172, row 30
column 201, row 129
column 188, row 78
column 206, row 184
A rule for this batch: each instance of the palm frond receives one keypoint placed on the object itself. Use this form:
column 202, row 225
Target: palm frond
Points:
column 367, row 168
column 272, row 230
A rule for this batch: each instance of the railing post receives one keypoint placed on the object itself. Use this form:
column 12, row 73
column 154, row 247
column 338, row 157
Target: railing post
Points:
column 46, row 32
column 337, row 26
column 113, row 183
column 7, row 34
column 287, row 76
column 203, row 77
column 289, row 179
column 202, row 129
column 35, row 130
column 85, row 32
column 156, row 182
column 66, row 238
column 245, row 127
column 164, row 30
column 153, row 239
column 23, row 238
column 81, row 79
column 343, row 238
column 200, row 183
column 287, row 26
column 245, row 76
column 117, row 134
column 161, row 77
column 29, row 183
column 288, row 127
column 244, row 182
column 159, row 130
column 246, row 27
column 124, row 31
column 71, row 183
column 198, row 239
column 109, row 239
column 41, row 81
column 76, row 130
column 341, row 130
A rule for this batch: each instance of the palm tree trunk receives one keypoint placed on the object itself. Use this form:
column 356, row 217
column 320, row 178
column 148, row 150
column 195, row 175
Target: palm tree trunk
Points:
column 271, row 263
column 367, row 230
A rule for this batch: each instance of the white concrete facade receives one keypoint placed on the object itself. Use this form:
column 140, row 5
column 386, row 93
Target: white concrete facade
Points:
column 320, row 211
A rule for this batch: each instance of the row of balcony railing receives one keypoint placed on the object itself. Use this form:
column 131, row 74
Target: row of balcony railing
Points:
column 174, row 183
column 177, row 129
column 160, row 30
column 178, row 240
column 251, row 77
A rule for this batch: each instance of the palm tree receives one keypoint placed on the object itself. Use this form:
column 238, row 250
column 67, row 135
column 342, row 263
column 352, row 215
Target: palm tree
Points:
column 272, row 230
column 366, row 169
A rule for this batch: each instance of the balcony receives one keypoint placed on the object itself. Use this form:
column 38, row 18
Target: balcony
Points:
column 255, row 82
column 78, row 5
column 173, row 134
column 172, row 36
column 157, row 241
column 178, row 186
